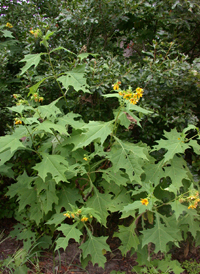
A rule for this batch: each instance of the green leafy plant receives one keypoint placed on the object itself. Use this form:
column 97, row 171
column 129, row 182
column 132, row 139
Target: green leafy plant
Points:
column 74, row 175
column 191, row 266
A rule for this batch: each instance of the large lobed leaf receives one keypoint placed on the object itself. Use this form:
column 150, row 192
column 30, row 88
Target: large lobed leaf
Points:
column 75, row 78
column 160, row 235
column 31, row 60
column 98, row 131
column 174, row 143
column 128, row 238
column 70, row 232
column 95, row 246
column 56, row 165
column 127, row 156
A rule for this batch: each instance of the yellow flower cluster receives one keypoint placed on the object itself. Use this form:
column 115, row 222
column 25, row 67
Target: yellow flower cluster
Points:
column 193, row 200
column 76, row 214
column 18, row 121
column 8, row 25
column 36, row 98
column 144, row 201
column 133, row 97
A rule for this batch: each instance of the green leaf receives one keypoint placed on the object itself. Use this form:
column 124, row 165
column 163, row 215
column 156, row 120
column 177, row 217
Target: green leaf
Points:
column 36, row 213
column 192, row 220
column 31, row 60
column 70, row 232
column 23, row 181
column 56, row 165
column 95, row 247
column 177, row 171
column 44, row 242
column 154, row 172
column 69, row 119
column 27, row 196
column 138, row 109
column 131, row 209
column 50, row 127
column 48, row 197
column 56, row 219
column 48, row 111
column 195, row 146
column 12, row 142
column 127, row 156
column 66, row 197
column 5, row 156
column 174, row 144
column 167, row 265
column 98, row 131
column 35, row 87
column 178, row 208
column 100, row 202
column 128, row 238
column 20, row 108
column 22, row 233
column 6, row 170
column 120, row 200
column 110, row 176
column 7, row 33
column 75, row 78
column 159, row 235
column 59, row 48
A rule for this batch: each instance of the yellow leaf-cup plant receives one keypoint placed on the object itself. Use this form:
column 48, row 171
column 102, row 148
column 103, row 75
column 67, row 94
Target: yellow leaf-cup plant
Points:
column 133, row 96
column 82, row 173
column 192, row 199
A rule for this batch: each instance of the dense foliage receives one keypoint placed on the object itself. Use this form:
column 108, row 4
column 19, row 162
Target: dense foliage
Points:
column 101, row 107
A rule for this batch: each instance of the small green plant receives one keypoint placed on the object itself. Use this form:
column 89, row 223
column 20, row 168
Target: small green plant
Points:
column 192, row 267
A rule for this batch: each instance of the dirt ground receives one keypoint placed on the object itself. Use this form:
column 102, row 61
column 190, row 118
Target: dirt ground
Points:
column 67, row 261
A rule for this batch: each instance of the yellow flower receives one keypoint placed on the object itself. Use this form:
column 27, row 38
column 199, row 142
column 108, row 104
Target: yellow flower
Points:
column 17, row 121
column 36, row 32
column 138, row 89
column 121, row 93
column 85, row 159
column 67, row 215
column 8, row 25
column 72, row 215
column 133, row 101
column 41, row 99
column 126, row 96
column 144, row 201
column 191, row 206
column 116, row 85
column 135, row 95
column 84, row 219
column 139, row 92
